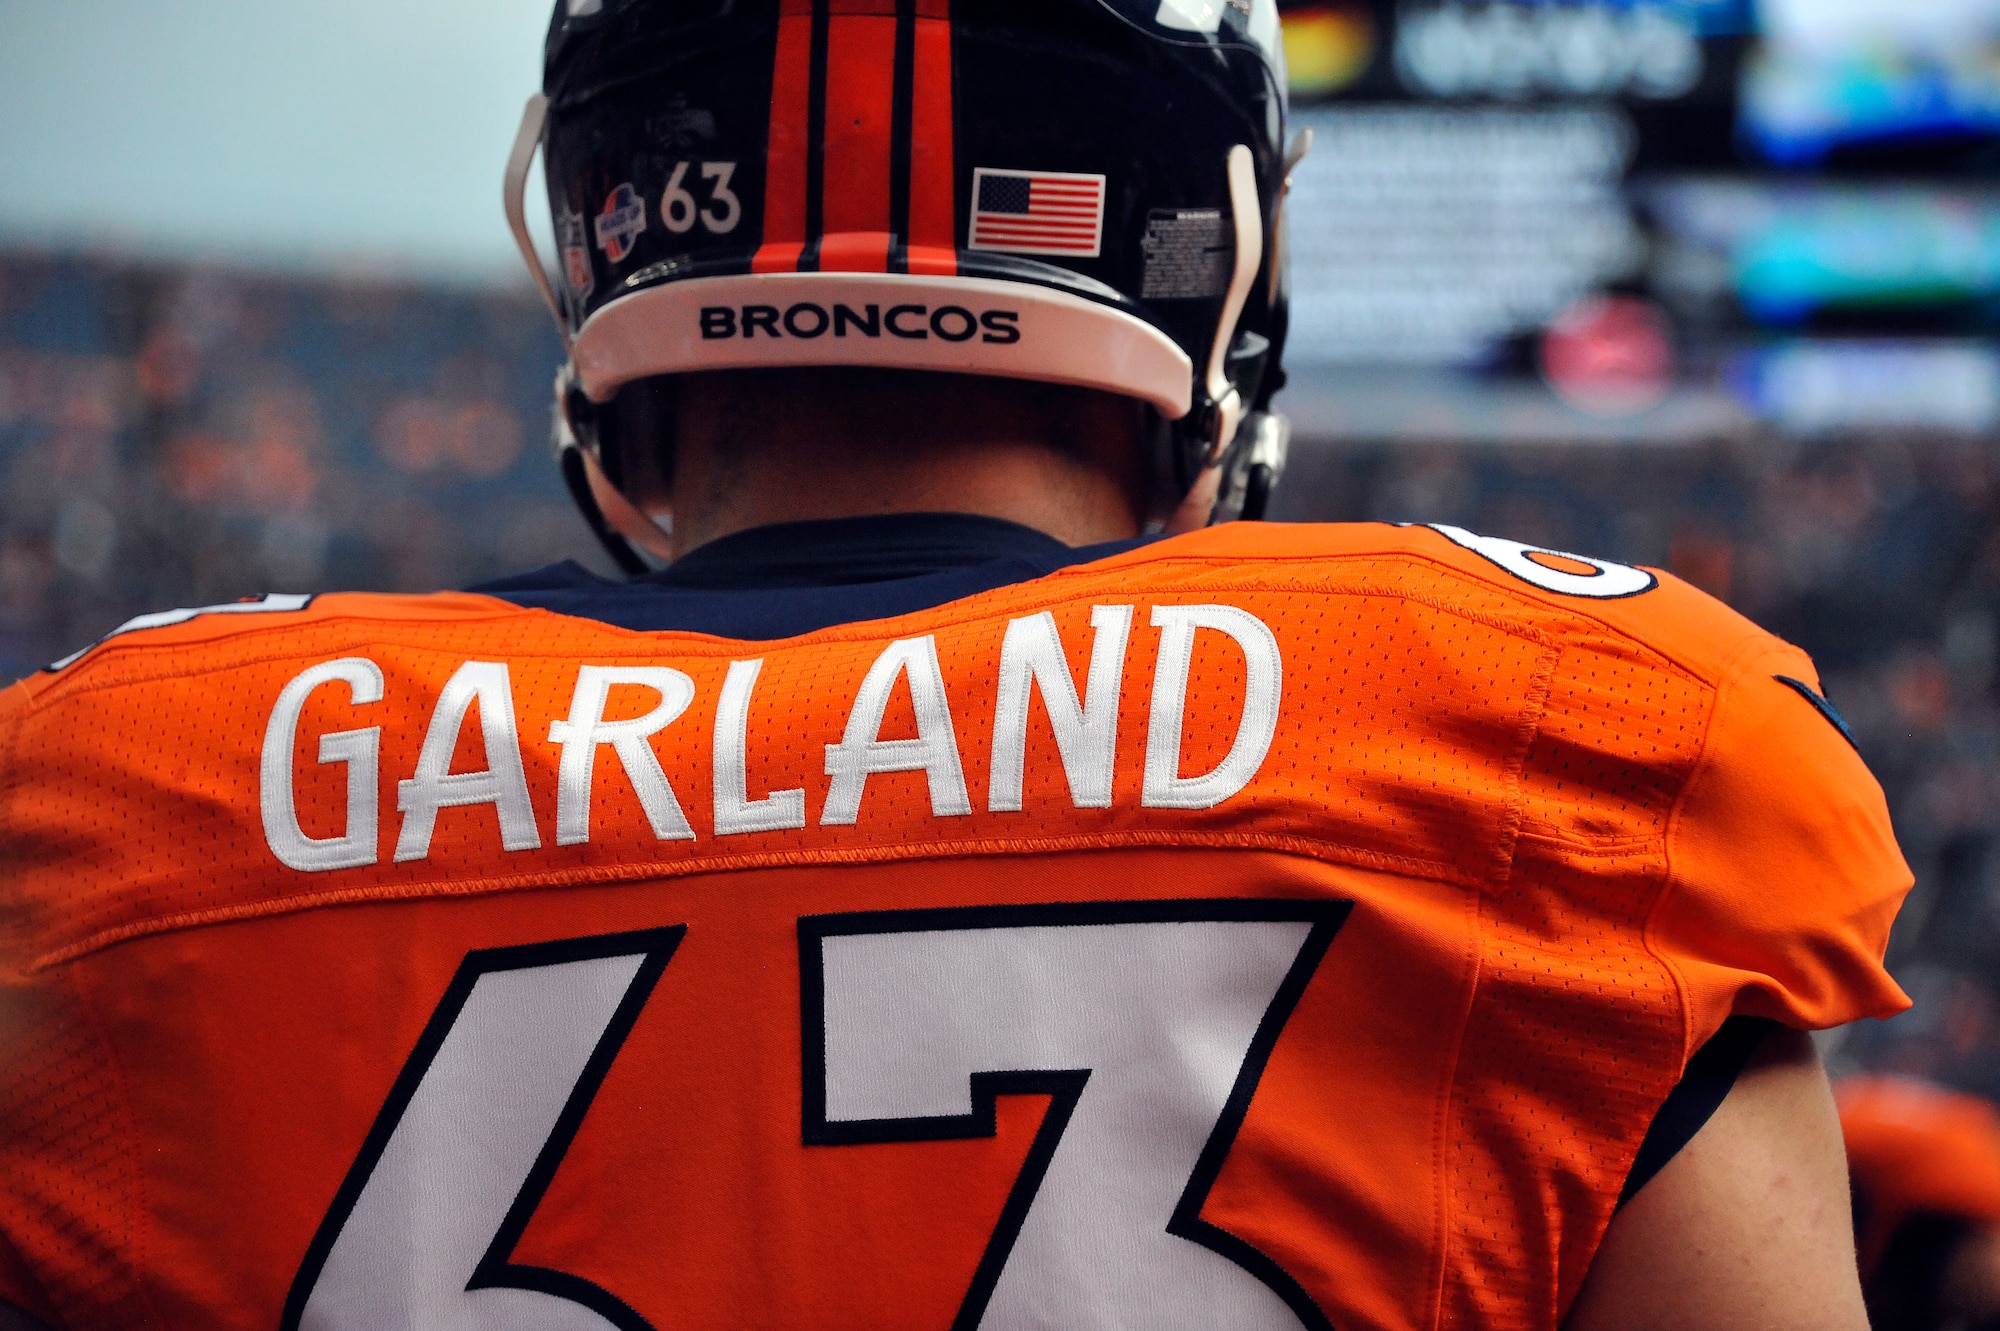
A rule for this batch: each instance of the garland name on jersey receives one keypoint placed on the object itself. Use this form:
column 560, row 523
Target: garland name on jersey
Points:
column 1267, row 928
column 1032, row 662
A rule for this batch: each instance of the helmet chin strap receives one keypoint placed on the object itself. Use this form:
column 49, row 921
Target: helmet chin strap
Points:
column 635, row 542
column 622, row 516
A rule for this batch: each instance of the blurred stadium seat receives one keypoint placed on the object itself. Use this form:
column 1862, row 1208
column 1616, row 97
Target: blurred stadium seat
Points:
column 187, row 436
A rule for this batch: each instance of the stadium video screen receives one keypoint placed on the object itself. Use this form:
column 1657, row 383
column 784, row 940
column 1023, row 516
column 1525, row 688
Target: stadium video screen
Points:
column 1776, row 187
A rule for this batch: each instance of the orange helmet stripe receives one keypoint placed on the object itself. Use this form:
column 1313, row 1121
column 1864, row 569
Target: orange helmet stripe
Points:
column 933, row 225
column 859, row 164
column 787, row 149
column 860, row 90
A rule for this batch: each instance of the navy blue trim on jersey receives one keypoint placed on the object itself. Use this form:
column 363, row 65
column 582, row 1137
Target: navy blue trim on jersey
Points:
column 798, row 577
column 1711, row 1074
column 1822, row 706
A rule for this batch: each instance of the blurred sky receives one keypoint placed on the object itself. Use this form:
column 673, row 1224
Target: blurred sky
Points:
column 330, row 133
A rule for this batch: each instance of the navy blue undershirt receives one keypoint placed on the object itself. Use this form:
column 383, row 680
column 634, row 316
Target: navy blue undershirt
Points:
column 797, row 577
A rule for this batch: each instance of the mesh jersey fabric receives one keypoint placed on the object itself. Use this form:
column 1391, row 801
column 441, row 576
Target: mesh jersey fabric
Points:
column 1473, row 868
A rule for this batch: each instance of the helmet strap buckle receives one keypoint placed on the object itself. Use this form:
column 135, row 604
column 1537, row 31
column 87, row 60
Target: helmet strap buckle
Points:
column 635, row 542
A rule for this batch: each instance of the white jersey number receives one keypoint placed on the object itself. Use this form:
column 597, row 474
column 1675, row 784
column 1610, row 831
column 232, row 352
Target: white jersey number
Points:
column 1148, row 1025
column 419, row 1236
column 1601, row 579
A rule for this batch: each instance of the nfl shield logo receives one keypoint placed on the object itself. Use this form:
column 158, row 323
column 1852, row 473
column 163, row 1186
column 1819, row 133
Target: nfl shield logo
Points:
column 575, row 244
column 620, row 223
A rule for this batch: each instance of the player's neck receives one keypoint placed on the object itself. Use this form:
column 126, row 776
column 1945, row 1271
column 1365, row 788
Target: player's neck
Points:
column 1077, row 505
column 807, row 448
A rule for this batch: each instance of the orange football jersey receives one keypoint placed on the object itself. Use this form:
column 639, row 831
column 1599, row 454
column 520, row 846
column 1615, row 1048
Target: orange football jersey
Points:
column 1270, row 927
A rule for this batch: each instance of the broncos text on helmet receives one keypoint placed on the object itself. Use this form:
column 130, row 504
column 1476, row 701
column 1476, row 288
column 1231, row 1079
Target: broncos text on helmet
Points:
column 1085, row 192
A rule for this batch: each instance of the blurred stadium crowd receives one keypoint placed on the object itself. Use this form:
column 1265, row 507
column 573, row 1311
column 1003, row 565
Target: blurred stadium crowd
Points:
column 176, row 436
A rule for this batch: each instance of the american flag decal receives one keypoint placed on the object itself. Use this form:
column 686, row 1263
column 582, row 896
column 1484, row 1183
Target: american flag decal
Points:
column 1037, row 212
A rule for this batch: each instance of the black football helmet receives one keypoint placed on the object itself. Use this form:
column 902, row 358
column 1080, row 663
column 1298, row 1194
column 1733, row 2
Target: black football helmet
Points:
column 1083, row 192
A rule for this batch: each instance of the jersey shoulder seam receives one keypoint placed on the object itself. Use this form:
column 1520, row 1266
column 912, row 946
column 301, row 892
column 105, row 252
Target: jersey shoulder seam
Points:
column 1748, row 651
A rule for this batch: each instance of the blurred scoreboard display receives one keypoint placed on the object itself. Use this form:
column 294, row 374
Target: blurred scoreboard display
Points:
column 1789, row 209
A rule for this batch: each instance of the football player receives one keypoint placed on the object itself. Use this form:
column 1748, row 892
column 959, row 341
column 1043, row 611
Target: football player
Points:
column 917, row 896
column 1925, row 1165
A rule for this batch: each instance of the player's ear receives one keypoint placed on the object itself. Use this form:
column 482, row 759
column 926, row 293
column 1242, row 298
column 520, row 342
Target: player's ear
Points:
column 1164, row 488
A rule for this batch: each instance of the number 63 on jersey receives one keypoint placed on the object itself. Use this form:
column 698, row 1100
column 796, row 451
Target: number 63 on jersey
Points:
column 1146, row 1025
